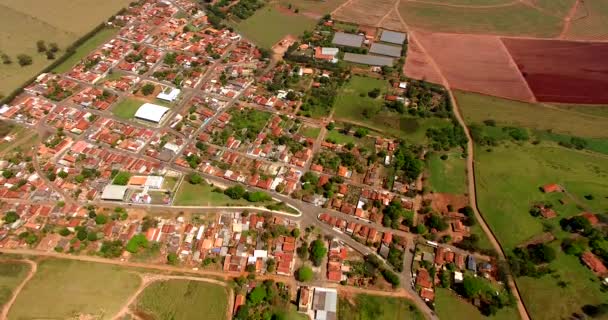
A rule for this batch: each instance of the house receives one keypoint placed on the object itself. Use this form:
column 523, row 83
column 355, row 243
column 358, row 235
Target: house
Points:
column 423, row 279
column 471, row 263
column 238, row 301
column 592, row 218
column 552, row 187
column 594, row 263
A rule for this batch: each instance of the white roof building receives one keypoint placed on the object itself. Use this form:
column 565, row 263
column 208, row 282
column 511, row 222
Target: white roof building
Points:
column 114, row 192
column 169, row 96
column 151, row 112
column 325, row 304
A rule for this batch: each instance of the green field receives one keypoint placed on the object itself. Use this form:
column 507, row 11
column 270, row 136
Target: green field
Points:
column 509, row 176
column 516, row 19
column 449, row 306
column 447, row 176
column 584, row 121
column 127, row 108
column 23, row 22
column 353, row 98
column 268, row 26
column 313, row 6
column 583, row 288
column 310, row 132
column 101, row 37
column 11, row 275
column 183, row 299
column 202, row 195
column 63, row 289
column 369, row 307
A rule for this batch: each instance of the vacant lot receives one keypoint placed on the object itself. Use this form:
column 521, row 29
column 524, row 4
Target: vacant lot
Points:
column 515, row 19
column 365, row 12
column 269, row 25
column 476, row 63
column 508, row 180
column 11, row 275
column 447, row 176
column 313, row 7
column 575, row 120
column 369, row 307
column 183, row 299
column 562, row 71
column 23, row 22
column 449, row 306
column 63, row 289
column 203, row 195
column 127, row 108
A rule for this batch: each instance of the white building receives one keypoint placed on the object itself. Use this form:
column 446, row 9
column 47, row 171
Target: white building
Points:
column 151, row 112
column 169, row 94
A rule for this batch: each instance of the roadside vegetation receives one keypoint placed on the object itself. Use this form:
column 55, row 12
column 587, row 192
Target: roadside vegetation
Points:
column 370, row 307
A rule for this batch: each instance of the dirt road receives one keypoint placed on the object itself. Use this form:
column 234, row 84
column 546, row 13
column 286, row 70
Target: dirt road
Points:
column 30, row 274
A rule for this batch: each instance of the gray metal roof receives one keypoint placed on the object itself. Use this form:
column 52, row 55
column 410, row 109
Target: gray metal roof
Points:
column 347, row 39
column 114, row 192
column 393, row 37
column 386, row 50
column 368, row 59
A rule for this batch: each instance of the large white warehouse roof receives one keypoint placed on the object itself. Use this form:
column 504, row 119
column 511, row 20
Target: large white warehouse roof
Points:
column 151, row 112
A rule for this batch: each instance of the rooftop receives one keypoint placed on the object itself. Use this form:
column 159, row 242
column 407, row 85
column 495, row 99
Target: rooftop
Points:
column 347, row 39
column 151, row 112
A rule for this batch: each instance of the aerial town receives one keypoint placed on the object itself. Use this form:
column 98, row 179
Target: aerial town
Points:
column 179, row 144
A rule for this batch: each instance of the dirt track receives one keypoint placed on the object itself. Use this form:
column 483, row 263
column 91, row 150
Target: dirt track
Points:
column 15, row 294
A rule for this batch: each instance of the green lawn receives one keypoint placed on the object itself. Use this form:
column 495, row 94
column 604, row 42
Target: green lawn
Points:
column 353, row 98
column 314, row 6
column 65, row 289
column 86, row 48
column 369, row 307
column 268, row 26
column 509, row 176
column 447, row 176
column 341, row 138
column 203, row 195
column 516, row 19
column 583, row 288
column 584, row 121
column 127, row 108
column 310, row 132
column 11, row 275
column 183, row 299
column 449, row 306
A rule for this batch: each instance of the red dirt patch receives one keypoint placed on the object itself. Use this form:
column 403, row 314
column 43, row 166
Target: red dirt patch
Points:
column 563, row 71
column 281, row 47
column 476, row 63
column 440, row 201
column 417, row 64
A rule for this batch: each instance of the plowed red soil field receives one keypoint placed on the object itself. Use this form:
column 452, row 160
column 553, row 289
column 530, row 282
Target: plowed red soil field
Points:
column 563, row 71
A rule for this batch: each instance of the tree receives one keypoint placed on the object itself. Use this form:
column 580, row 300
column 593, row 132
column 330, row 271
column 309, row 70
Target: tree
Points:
column 318, row 251
column 257, row 295
column 122, row 178
column 195, row 178
column 53, row 47
column 147, row 89
column 41, row 46
column 305, row 274
column 6, row 59
column 172, row 259
column 271, row 265
column 541, row 253
column 101, row 219
column 50, row 55
column 235, row 192
column 10, row 217
column 111, row 249
column 330, row 126
column 24, row 60
column 374, row 93
column 437, row 222
column 361, row 132
column 64, row 232
column 137, row 241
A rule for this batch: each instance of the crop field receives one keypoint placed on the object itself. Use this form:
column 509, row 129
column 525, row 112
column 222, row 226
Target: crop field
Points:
column 508, row 180
column 590, row 22
column 11, row 275
column 447, row 176
column 449, row 306
column 515, row 19
column 365, row 12
column 369, row 307
column 573, row 72
column 583, row 121
column 269, row 25
column 582, row 288
column 23, row 22
column 183, row 299
column 63, row 289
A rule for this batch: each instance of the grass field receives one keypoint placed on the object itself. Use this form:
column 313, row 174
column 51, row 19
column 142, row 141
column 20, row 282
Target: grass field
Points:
column 202, row 195
column 65, row 289
column 268, row 26
column 23, row 22
column 509, row 176
column 11, row 275
column 447, row 176
column 369, row 307
column 449, row 306
column 183, row 299
column 583, row 288
column 310, row 132
column 127, row 108
column 86, row 48
column 517, row 19
column 591, row 22
column 314, row 6
column 584, row 121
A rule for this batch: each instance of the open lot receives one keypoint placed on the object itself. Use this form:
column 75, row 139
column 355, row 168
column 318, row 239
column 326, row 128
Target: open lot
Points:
column 269, row 25
column 202, row 195
column 11, row 275
column 447, row 176
column 475, row 63
column 449, row 306
column 369, row 307
column 67, row 289
column 562, row 71
column 590, row 21
column 577, row 120
column 127, row 108
column 23, row 22
column 182, row 299
column 508, row 180
column 313, row 7
column 365, row 12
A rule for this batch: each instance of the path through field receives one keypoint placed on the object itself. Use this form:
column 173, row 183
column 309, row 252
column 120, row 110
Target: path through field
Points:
column 30, row 274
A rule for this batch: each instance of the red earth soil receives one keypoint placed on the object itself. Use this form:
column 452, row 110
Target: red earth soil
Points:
column 417, row 64
column 476, row 63
column 563, row 71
